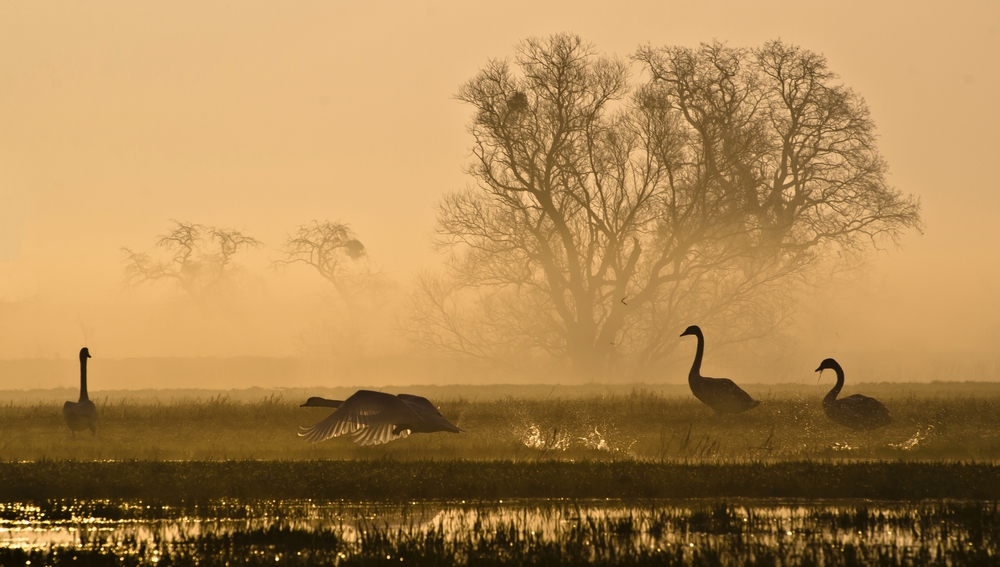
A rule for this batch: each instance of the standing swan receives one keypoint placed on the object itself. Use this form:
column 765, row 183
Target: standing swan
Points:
column 376, row 417
column 720, row 394
column 82, row 414
column 857, row 411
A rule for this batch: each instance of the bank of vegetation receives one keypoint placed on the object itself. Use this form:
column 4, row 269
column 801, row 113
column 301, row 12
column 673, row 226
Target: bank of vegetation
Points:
column 392, row 480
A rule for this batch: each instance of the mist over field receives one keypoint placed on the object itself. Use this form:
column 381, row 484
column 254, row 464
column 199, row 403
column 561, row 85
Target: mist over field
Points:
column 450, row 283
column 120, row 122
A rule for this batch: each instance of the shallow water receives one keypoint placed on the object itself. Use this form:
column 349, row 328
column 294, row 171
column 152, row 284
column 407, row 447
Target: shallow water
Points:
column 567, row 532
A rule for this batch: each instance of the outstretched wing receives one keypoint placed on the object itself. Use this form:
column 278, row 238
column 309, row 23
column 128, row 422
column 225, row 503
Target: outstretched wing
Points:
column 318, row 402
column 430, row 418
column 370, row 416
column 378, row 434
column 419, row 404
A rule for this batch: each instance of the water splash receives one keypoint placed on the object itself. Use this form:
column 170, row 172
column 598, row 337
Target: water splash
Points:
column 535, row 439
column 914, row 442
column 596, row 441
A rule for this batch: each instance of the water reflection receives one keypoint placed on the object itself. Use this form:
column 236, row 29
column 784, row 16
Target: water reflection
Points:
column 602, row 532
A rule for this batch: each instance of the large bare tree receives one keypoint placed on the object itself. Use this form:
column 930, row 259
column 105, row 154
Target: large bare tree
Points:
column 607, row 215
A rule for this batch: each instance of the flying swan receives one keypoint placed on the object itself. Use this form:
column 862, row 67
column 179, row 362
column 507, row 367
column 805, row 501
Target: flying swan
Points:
column 373, row 418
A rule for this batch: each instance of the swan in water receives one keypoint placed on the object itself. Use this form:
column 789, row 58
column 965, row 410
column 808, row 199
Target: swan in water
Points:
column 81, row 414
column 373, row 418
column 720, row 394
column 857, row 411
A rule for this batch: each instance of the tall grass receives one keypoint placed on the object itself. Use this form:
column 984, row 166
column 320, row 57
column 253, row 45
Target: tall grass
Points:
column 640, row 425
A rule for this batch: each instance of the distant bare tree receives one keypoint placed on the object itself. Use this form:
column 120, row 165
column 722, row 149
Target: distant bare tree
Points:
column 608, row 215
column 357, row 319
column 326, row 246
column 201, row 257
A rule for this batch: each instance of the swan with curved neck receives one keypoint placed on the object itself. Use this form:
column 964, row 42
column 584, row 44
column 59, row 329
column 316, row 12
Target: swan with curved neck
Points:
column 857, row 411
column 81, row 414
column 720, row 394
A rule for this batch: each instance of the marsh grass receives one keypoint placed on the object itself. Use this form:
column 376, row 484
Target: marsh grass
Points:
column 224, row 480
column 390, row 480
column 639, row 425
column 519, row 533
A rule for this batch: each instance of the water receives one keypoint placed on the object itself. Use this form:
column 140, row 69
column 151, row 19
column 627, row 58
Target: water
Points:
column 303, row 532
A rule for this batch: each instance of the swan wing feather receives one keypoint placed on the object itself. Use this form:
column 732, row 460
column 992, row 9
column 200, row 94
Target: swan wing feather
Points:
column 363, row 410
column 723, row 395
column 863, row 404
column 430, row 417
column 378, row 434
column 859, row 412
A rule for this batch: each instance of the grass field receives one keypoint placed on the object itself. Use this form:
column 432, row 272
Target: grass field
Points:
column 933, row 422
column 625, row 475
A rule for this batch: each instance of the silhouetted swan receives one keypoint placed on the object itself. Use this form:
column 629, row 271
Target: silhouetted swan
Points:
column 720, row 394
column 857, row 411
column 82, row 414
column 376, row 417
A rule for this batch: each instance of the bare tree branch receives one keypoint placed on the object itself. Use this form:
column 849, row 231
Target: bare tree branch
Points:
column 196, row 264
column 325, row 246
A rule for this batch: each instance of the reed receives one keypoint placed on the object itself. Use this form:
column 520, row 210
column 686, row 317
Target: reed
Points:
column 641, row 425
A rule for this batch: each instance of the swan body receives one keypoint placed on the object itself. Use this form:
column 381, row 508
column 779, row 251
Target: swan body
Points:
column 373, row 418
column 720, row 394
column 857, row 411
column 318, row 402
column 81, row 414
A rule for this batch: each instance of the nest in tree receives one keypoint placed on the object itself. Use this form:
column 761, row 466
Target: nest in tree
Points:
column 518, row 102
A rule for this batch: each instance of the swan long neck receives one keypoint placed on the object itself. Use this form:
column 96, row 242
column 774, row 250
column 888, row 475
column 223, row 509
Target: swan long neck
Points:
column 695, row 373
column 832, row 396
column 83, row 379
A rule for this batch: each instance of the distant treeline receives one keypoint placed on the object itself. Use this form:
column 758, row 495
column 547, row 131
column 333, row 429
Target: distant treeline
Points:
column 274, row 373
column 487, row 392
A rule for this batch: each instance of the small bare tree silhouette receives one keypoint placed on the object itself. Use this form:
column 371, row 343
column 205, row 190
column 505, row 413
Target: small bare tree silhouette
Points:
column 327, row 246
column 201, row 257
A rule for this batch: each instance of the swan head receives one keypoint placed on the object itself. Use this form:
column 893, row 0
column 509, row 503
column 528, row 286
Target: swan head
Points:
column 692, row 330
column 84, row 353
column 828, row 364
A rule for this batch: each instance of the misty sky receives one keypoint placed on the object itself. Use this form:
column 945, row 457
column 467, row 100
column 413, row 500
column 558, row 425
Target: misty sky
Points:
column 116, row 117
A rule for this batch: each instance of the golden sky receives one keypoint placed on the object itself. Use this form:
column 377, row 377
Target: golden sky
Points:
column 118, row 116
